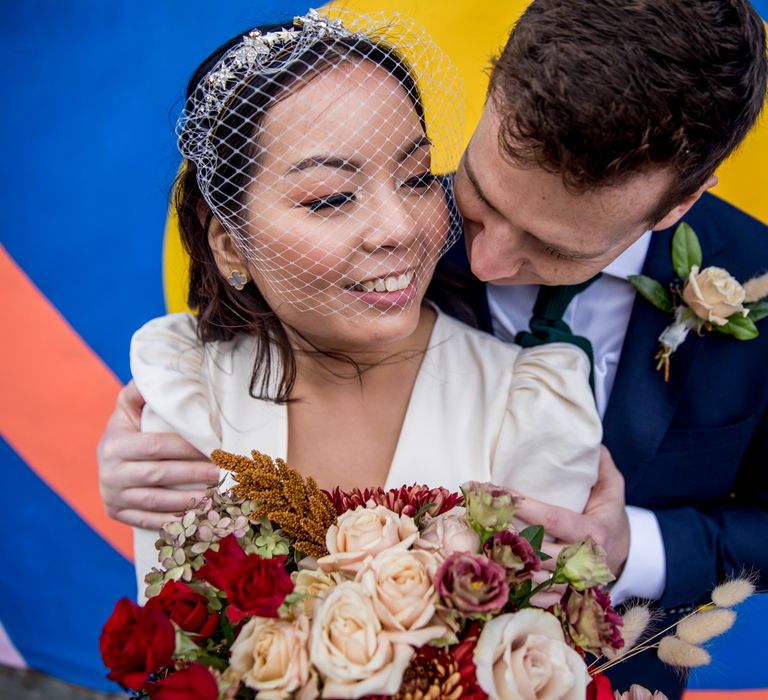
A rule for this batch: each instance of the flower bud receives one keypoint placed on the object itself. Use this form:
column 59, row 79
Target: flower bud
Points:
column 489, row 507
column 583, row 565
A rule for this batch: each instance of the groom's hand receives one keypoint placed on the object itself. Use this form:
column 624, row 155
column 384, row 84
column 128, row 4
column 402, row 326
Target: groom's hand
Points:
column 137, row 471
column 604, row 517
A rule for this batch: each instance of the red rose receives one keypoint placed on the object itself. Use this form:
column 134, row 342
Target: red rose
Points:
column 598, row 689
column 136, row 642
column 254, row 585
column 187, row 608
column 195, row 682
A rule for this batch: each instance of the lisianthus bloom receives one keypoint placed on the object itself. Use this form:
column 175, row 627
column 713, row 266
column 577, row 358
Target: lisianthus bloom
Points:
column 136, row 642
column 583, row 565
column 590, row 621
column 195, row 682
column 489, row 507
column 254, row 585
column 187, row 608
column 472, row 584
column 514, row 553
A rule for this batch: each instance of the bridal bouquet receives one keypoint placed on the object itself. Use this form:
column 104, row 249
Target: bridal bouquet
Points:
column 281, row 590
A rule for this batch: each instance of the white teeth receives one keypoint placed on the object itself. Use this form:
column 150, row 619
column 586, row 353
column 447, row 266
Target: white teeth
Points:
column 395, row 283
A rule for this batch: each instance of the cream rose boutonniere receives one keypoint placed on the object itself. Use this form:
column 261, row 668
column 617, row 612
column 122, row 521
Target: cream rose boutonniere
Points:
column 702, row 299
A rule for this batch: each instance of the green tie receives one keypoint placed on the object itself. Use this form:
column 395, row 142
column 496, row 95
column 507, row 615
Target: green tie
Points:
column 547, row 325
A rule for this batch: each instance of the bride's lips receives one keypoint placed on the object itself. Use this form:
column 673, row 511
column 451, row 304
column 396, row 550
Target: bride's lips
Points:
column 399, row 289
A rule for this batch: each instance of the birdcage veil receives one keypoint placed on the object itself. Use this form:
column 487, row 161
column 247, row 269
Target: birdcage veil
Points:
column 320, row 149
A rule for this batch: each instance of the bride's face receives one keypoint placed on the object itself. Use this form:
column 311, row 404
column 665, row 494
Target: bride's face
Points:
column 346, row 221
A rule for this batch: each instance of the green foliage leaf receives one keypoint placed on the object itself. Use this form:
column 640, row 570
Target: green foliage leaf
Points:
column 686, row 251
column 535, row 535
column 757, row 311
column 739, row 327
column 653, row 291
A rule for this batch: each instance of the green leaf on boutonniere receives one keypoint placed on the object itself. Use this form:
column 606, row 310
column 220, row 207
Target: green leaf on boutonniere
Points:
column 757, row 311
column 739, row 327
column 686, row 251
column 653, row 291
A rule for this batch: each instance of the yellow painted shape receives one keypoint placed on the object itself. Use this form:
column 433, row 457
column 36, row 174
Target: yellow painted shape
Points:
column 471, row 33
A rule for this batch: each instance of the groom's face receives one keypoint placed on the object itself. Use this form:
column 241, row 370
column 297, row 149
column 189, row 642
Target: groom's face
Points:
column 522, row 226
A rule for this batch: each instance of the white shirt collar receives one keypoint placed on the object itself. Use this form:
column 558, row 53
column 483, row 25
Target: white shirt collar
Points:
column 631, row 261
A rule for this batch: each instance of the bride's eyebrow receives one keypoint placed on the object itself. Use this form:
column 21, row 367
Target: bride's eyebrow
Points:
column 349, row 165
column 324, row 161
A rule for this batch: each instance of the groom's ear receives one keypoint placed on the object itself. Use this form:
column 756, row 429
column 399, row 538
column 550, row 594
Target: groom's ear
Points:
column 674, row 215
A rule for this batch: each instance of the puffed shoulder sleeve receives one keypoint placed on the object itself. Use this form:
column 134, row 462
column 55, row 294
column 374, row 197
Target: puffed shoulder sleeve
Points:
column 168, row 364
column 549, row 442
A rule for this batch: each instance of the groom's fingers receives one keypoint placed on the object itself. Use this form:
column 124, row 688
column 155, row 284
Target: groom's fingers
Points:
column 559, row 523
column 604, row 519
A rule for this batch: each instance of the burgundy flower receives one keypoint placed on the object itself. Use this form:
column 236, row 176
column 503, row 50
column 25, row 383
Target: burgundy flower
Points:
column 442, row 672
column 589, row 620
column 600, row 688
column 136, row 642
column 195, row 682
column 253, row 585
column 187, row 608
column 406, row 500
column 472, row 584
column 514, row 553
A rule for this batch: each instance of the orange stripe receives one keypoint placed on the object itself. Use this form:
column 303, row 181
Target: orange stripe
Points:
column 57, row 395
column 726, row 695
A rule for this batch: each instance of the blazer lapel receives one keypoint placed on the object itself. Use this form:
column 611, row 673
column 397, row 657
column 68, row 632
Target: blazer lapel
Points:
column 642, row 404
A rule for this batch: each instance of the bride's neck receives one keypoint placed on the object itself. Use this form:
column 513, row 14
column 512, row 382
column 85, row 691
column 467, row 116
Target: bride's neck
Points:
column 338, row 366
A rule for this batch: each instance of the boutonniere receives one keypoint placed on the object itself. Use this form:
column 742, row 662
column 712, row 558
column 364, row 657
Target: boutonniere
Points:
column 708, row 299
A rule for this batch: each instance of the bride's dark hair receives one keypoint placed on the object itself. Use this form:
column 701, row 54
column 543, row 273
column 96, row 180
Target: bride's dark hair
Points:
column 223, row 312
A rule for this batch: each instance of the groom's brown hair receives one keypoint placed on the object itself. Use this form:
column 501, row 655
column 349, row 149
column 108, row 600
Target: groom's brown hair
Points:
column 598, row 90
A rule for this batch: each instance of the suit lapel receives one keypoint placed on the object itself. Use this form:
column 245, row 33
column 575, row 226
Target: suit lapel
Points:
column 642, row 405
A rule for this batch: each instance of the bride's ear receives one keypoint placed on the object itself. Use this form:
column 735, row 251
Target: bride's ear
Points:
column 227, row 255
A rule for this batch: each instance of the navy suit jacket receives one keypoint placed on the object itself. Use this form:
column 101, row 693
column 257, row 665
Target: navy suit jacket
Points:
column 694, row 450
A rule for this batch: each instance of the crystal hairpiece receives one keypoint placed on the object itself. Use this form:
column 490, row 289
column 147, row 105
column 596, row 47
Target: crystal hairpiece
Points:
column 254, row 54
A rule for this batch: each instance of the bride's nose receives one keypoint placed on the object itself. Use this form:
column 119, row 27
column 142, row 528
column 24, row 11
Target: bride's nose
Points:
column 390, row 221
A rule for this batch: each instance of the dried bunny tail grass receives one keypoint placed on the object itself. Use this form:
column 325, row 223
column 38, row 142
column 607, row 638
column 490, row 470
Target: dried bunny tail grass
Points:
column 677, row 652
column 703, row 626
column 733, row 592
column 637, row 620
column 756, row 288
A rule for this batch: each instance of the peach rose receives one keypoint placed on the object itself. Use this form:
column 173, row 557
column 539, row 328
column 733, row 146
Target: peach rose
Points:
column 524, row 655
column 313, row 584
column 400, row 585
column 271, row 656
column 448, row 533
column 714, row 295
column 362, row 533
column 350, row 649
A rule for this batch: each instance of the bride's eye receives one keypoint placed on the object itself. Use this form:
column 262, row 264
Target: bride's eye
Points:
column 420, row 181
column 329, row 204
